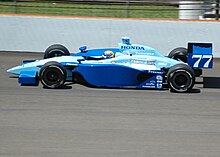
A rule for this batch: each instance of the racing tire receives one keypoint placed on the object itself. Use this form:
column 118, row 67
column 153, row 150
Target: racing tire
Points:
column 179, row 53
column 181, row 78
column 56, row 50
column 52, row 75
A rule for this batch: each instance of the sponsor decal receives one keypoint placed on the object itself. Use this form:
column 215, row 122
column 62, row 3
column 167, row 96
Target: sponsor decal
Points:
column 125, row 52
column 150, row 86
column 156, row 81
column 162, row 64
column 159, row 78
column 130, row 47
column 159, row 85
column 144, row 53
column 146, row 62
column 155, row 71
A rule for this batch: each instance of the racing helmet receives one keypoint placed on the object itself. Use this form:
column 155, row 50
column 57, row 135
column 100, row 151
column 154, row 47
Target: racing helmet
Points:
column 108, row 54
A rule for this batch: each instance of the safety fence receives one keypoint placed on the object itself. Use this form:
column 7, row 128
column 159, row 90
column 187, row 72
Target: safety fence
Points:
column 207, row 9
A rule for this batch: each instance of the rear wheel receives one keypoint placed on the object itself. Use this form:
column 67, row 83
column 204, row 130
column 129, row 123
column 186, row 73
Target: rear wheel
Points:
column 52, row 75
column 56, row 50
column 179, row 53
column 181, row 78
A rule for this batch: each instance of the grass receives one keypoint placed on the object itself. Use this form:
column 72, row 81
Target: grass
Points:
column 46, row 8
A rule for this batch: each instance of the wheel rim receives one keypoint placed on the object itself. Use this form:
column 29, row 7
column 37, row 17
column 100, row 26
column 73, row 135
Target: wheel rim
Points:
column 52, row 76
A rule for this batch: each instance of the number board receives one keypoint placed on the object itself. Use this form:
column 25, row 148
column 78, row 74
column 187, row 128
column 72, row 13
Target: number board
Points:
column 200, row 55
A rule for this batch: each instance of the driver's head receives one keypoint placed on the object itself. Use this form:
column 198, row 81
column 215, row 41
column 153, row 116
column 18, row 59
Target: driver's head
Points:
column 108, row 54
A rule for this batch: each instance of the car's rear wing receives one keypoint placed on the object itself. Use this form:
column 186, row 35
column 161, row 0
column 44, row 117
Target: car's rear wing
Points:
column 200, row 55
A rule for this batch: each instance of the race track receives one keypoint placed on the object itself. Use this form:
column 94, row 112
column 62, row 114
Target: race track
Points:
column 87, row 122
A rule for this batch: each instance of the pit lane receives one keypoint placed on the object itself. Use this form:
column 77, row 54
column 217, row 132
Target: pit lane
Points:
column 90, row 122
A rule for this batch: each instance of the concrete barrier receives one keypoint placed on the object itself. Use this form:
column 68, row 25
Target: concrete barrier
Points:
column 27, row 33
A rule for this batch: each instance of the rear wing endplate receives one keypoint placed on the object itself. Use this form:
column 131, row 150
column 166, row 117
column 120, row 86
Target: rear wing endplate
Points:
column 200, row 55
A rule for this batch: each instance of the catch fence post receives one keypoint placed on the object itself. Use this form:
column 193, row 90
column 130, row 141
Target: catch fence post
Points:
column 15, row 7
column 217, row 10
column 127, row 9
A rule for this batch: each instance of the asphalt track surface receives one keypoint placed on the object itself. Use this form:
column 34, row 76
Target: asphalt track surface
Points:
column 88, row 122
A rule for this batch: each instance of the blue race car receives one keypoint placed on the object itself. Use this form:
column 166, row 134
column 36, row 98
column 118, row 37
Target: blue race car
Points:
column 128, row 66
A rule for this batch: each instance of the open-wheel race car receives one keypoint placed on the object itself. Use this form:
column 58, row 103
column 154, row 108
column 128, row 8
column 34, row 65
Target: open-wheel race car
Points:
column 128, row 66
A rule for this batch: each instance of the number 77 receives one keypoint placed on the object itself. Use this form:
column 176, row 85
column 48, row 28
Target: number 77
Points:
column 200, row 59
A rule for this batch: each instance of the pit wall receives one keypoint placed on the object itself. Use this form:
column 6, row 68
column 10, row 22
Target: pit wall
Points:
column 35, row 34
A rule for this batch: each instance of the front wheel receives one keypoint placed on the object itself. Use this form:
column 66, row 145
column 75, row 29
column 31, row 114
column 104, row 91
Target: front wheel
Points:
column 181, row 78
column 52, row 75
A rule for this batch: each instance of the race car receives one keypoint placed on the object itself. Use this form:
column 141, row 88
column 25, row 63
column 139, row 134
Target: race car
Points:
column 128, row 66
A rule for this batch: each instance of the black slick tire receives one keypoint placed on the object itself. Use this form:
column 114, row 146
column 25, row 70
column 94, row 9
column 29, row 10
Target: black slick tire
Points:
column 181, row 78
column 56, row 50
column 179, row 53
column 52, row 75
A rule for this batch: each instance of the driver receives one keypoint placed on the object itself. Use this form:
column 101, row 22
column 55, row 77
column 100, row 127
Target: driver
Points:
column 108, row 54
